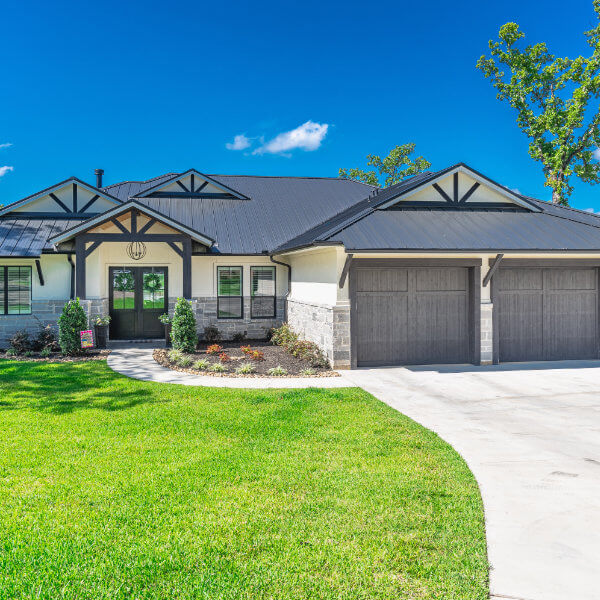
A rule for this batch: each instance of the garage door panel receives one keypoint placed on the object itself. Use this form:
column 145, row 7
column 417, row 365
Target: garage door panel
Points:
column 568, row 326
column 519, row 279
column 559, row 322
column 441, row 280
column 443, row 329
column 382, row 328
column 382, row 280
column 574, row 279
column 520, row 320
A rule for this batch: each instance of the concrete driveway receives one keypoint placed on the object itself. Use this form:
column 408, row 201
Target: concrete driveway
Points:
column 531, row 435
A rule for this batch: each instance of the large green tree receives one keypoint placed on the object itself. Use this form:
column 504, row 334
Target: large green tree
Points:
column 556, row 100
column 395, row 167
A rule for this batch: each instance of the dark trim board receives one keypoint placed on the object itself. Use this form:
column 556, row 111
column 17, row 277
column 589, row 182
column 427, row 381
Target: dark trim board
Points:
column 415, row 262
column 550, row 262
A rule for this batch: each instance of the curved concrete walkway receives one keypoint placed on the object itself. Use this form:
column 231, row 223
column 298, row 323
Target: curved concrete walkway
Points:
column 530, row 434
column 138, row 363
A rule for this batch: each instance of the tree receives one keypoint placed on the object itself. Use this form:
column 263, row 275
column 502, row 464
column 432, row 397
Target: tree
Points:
column 396, row 166
column 551, row 96
column 183, row 328
column 70, row 323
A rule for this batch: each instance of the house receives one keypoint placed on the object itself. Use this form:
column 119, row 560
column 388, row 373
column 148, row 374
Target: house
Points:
column 444, row 267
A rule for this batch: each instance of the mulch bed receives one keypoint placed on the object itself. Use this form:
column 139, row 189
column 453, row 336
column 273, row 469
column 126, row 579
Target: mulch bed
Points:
column 57, row 357
column 274, row 356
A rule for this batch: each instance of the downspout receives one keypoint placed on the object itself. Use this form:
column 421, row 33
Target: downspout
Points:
column 70, row 259
column 289, row 287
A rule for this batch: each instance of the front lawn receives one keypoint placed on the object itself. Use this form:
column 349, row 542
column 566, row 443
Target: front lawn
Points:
column 115, row 488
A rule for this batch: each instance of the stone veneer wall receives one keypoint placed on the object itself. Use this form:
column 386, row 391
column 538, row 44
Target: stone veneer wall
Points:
column 205, row 309
column 326, row 326
column 45, row 312
column 487, row 333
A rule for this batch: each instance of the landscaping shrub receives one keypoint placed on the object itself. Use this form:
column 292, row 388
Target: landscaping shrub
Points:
column 214, row 349
column 257, row 355
column 239, row 336
column 245, row 369
column 201, row 364
column 224, row 357
column 183, row 330
column 185, row 361
column 246, row 350
column 20, row 342
column 284, row 336
column 174, row 355
column 307, row 372
column 46, row 338
column 217, row 368
column 46, row 352
column 277, row 371
column 212, row 334
column 72, row 320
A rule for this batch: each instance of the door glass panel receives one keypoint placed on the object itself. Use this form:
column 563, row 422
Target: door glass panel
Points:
column 153, row 284
column 123, row 289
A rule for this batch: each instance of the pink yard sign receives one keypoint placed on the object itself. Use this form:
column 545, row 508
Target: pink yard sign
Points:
column 87, row 338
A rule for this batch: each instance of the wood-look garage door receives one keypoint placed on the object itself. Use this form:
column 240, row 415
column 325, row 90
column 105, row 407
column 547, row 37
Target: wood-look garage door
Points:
column 546, row 314
column 411, row 315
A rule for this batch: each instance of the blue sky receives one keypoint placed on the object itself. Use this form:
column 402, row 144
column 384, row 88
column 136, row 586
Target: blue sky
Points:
column 140, row 89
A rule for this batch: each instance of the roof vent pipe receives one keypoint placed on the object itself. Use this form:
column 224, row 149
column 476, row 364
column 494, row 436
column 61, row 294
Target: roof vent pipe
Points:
column 99, row 173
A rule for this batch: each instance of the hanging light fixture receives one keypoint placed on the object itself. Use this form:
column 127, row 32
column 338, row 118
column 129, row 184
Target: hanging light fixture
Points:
column 136, row 250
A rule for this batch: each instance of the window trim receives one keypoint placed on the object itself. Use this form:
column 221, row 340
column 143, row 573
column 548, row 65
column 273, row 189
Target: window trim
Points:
column 4, row 300
column 241, row 296
column 274, row 296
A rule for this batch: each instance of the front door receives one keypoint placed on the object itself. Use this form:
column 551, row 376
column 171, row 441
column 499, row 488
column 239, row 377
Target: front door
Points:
column 138, row 296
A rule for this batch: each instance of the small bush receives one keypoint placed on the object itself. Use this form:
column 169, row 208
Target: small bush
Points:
column 224, row 357
column 20, row 342
column 212, row 334
column 46, row 338
column 11, row 352
column 183, row 329
column 214, row 349
column 70, row 323
column 185, row 361
column 307, row 372
column 201, row 364
column 277, row 371
column 284, row 336
column 246, row 350
column 46, row 352
column 245, row 369
column 257, row 355
column 28, row 353
column 174, row 355
column 217, row 368
column 239, row 336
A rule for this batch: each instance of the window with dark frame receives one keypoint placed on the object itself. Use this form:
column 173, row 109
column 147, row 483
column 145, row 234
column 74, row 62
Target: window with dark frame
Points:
column 15, row 290
column 230, row 301
column 262, row 292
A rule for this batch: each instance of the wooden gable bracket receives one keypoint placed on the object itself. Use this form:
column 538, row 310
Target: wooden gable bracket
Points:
column 492, row 269
column 38, row 266
column 345, row 270
column 75, row 209
column 455, row 199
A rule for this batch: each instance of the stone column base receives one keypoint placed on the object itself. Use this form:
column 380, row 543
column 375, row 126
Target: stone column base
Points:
column 487, row 333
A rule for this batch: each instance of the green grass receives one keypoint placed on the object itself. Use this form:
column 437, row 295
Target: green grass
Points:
column 115, row 488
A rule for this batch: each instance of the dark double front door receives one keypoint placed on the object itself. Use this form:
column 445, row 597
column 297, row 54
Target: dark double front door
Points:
column 138, row 296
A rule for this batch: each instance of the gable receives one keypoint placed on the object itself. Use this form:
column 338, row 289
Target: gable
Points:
column 71, row 198
column 143, row 223
column 191, row 184
column 461, row 187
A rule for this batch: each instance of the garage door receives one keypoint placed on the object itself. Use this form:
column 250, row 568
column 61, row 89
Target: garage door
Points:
column 546, row 314
column 411, row 315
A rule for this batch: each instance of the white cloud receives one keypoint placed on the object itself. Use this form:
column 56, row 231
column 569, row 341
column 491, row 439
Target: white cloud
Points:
column 306, row 137
column 588, row 210
column 7, row 145
column 240, row 142
column 596, row 153
column 5, row 170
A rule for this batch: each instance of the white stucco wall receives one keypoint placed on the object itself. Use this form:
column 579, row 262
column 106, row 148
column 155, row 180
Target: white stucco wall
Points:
column 57, row 276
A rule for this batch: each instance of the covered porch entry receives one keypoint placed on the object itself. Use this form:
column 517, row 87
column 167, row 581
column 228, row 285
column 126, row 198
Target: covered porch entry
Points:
column 127, row 259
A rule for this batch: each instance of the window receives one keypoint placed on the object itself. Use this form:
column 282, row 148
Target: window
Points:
column 15, row 290
column 229, row 293
column 123, row 288
column 262, row 292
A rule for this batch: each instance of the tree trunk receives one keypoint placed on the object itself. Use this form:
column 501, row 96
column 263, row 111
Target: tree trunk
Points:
column 556, row 197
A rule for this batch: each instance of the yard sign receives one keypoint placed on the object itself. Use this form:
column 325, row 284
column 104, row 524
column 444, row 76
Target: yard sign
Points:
column 87, row 338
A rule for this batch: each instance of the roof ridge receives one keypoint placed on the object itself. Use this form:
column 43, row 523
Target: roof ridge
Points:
column 560, row 206
column 292, row 177
column 139, row 180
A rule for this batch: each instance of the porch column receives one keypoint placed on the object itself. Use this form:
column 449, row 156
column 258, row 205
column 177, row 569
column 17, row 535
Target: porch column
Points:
column 80, row 267
column 187, row 268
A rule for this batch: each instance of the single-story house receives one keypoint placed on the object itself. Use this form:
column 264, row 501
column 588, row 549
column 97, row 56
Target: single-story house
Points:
column 444, row 267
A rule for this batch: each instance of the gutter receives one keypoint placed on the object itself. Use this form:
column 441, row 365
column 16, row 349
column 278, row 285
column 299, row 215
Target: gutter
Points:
column 289, row 286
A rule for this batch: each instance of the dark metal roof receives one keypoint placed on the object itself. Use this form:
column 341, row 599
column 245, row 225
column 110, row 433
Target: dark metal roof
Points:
column 446, row 229
column 29, row 237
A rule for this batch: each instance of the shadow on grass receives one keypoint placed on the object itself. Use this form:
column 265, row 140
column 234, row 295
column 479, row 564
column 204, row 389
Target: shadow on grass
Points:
column 62, row 388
